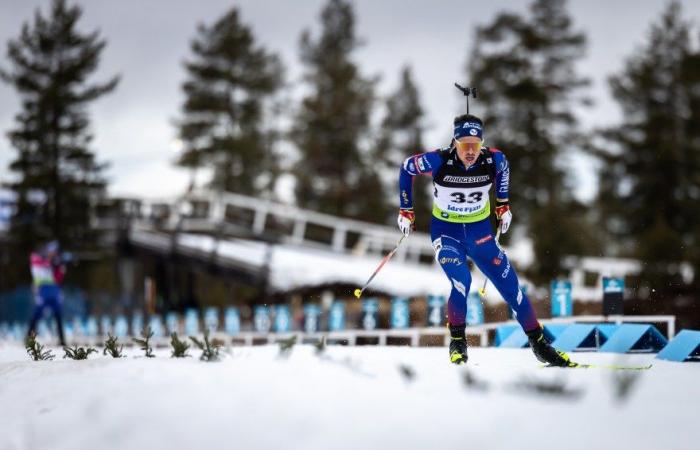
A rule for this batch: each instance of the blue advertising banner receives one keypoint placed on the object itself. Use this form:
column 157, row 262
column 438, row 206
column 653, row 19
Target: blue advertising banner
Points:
column 613, row 295
column 156, row 325
column 18, row 331
column 121, row 326
column 336, row 316
column 560, row 293
column 613, row 285
column 283, row 319
column 136, row 324
column 436, row 310
column 43, row 330
column 91, row 326
column 370, row 314
column 79, row 327
column 106, row 325
column 312, row 315
column 232, row 321
column 475, row 309
column 172, row 323
column 400, row 313
column 261, row 319
column 211, row 319
column 191, row 322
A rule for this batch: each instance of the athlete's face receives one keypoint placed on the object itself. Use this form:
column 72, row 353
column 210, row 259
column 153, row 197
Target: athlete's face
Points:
column 468, row 149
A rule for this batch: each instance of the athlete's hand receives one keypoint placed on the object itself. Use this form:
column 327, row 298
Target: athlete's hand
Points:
column 406, row 221
column 504, row 216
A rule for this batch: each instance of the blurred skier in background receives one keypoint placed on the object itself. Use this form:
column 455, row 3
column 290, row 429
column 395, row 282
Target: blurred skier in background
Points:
column 48, row 271
column 463, row 174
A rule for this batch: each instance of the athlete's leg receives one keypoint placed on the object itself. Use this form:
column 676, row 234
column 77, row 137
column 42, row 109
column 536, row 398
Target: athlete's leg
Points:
column 493, row 262
column 55, row 305
column 451, row 255
column 40, row 304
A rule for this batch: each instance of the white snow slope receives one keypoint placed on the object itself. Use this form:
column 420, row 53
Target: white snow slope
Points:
column 349, row 398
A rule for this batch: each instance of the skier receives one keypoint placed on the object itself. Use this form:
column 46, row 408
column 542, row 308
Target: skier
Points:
column 462, row 176
column 48, row 271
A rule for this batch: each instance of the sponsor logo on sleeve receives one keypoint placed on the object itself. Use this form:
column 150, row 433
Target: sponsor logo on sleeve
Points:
column 404, row 197
column 484, row 239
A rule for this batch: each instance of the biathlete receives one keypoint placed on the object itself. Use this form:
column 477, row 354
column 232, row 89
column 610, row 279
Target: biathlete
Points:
column 462, row 177
column 48, row 271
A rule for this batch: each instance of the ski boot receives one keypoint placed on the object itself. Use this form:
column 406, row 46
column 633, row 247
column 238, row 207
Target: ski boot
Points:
column 544, row 352
column 458, row 344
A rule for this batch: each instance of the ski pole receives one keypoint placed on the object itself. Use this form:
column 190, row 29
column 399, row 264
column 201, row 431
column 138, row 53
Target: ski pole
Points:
column 358, row 292
column 482, row 291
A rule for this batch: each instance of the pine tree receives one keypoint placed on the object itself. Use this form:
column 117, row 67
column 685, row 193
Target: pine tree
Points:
column 58, row 179
column 78, row 353
column 650, row 177
column 286, row 345
column 401, row 136
column 524, row 67
column 179, row 347
column 35, row 350
column 691, row 163
column 210, row 349
column 227, row 122
column 112, row 347
column 332, row 127
column 145, row 341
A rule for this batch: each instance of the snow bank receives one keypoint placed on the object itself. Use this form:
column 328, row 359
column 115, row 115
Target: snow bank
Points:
column 352, row 398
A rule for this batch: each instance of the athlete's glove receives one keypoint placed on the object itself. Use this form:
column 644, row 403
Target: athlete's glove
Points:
column 406, row 221
column 503, row 215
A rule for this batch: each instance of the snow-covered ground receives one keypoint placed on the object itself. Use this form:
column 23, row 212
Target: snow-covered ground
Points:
column 348, row 398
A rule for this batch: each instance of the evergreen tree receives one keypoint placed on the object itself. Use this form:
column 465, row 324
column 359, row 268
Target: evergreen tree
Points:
column 112, row 347
column 145, row 341
column 78, row 353
column 210, row 348
column 229, row 90
column 650, row 177
column 179, row 347
column 524, row 69
column 57, row 178
column 401, row 136
column 332, row 127
column 35, row 350
column 691, row 162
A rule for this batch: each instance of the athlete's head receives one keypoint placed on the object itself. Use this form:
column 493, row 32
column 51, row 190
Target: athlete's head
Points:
column 468, row 125
column 51, row 248
column 468, row 135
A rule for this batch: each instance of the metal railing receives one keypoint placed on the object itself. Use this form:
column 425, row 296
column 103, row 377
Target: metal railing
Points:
column 227, row 213
column 414, row 335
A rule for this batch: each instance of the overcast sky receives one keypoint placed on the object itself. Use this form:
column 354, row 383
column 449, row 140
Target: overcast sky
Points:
column 149, row 40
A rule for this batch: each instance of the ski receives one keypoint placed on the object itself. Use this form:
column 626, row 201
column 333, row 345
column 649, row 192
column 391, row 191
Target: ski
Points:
column 601, row 366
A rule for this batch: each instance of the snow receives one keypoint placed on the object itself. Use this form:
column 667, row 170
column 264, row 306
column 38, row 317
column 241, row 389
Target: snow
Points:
column 349, row 398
